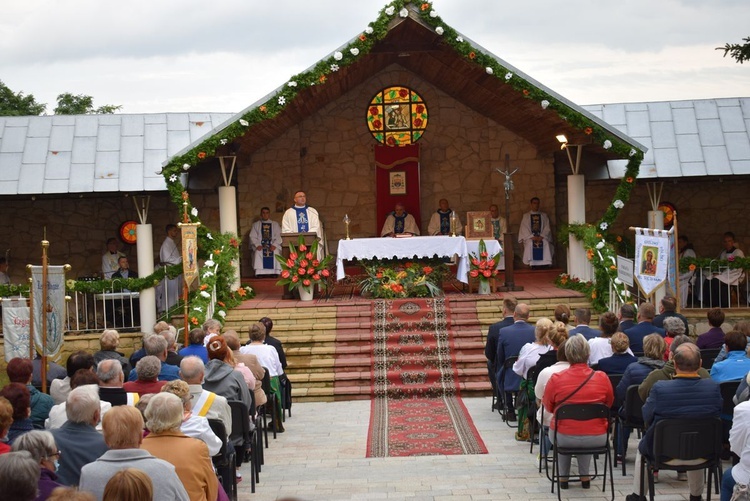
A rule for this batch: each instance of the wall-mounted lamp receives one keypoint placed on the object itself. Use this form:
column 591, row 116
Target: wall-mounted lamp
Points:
column 563, row 141
column 574, row 164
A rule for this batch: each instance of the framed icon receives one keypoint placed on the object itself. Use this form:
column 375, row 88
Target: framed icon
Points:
column 397, row 183
column 478, row 225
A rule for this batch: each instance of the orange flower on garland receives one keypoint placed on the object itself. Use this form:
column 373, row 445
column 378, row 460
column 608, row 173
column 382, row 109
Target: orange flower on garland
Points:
column 691, row 267
column 629, row 179
column 204, row 287
column 362, row 37
column 221, row 304
column 217, row 252
column 472, row 55
column 526, row 92
column 590, row 254
column 241, row 292
column 593, row 295
column 322, row 79
column 193, row 320
column 263, row 108
column 613, row 267
column 619, row 238
column 234, row 243
column 202, row 155
column 588, row 130
column 425, row 6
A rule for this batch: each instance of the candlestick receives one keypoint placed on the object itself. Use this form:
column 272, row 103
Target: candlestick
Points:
column 346, row 222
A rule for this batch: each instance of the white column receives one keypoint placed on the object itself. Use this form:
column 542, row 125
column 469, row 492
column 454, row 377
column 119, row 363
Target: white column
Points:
column 228, row 222
column 578, row 265
column 145, row 252
column 656, row 222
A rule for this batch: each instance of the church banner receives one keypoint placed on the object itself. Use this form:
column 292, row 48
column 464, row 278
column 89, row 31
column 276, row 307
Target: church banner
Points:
column 651, row 258
column 189, row 252
column 16, row 328
column 55, row 307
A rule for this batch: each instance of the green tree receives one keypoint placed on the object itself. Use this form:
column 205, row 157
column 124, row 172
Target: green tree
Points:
column 16, row 104
column 68, row 104
column 740, row 52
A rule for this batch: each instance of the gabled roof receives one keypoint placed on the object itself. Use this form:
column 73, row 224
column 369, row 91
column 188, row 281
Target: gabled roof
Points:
column 58, row 154
column 707, row 137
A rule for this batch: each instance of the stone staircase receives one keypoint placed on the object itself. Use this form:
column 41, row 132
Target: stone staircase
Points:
column 328, row 345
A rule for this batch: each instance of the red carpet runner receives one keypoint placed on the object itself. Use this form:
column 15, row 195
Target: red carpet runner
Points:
column 416, row 407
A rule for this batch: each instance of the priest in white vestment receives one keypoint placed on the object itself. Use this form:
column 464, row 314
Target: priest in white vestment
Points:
column 440, row 222
column 686, row 250
column 265, row 242
column 301, row 218
column 399, row 222
column 110, row 259
column 170, row 254
column 536, row 237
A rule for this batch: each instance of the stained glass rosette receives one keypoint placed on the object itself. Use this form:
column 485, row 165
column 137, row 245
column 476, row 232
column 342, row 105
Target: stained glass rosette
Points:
column 397, row 116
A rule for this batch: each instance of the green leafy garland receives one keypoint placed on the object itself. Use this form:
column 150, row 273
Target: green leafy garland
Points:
column 692, row 263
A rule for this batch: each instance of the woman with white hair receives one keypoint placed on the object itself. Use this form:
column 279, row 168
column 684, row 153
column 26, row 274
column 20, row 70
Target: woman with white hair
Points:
column 109, row 341
column 189, row 456
column 41, row 445
column 19, row 476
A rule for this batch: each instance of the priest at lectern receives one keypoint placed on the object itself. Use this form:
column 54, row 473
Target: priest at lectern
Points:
column 301, row 218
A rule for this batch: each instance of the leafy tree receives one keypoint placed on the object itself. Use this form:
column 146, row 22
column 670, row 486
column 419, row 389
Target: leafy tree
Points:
column 740, row 52
column 68, row 104
column 16, row 104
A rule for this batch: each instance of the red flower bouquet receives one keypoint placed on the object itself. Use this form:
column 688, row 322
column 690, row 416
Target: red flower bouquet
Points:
column 303, row 268
column 483, row 266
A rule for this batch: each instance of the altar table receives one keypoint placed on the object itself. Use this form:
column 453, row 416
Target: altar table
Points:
column 404, row 248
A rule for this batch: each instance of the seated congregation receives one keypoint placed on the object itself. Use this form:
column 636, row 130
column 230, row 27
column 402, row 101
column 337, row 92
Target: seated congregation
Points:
column 114, row 426
column 580, row 391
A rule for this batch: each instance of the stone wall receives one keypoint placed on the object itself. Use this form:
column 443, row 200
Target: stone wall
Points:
column 330, row 156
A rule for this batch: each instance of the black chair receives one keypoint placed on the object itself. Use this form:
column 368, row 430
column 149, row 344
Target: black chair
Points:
column 582, row 412
column 224, row 461
column 271, row 396
column 505, row 406
column 243, row 438
column 631, row 417
column 492, row 373
column 708, row 355
column 615, row 379
column 532, row 375
column 286, row 396
column 684, row 439
column 728, row 390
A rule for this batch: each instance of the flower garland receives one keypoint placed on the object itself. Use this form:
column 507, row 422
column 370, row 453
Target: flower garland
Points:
column 325, row 69
column 692, row 263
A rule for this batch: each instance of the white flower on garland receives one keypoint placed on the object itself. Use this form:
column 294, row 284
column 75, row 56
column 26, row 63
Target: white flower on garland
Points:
column 334, row 67
column 208, row 273
column 222, row 313
column 198, row 308
column 545, row 103
column 607, row 144
column 618, row 281
column 223, row 141
column 292, row 83
column 194, row 211
column 604, row 226
column 173, row 178
column 338, row 56
column 205, row 294
column 282, row 100
column 354, row 51
column 209, row 262
column 489, row 70
column 508, row 76
column 403, row 12
column 244, row 122
column 208, row 236
column 390, row 10
column 618, row 204
column 368, row 30
column 459, row 39
column 632, row 152
column 185, row 166
column 439, row 30
column 433, row 13
column 600, row 245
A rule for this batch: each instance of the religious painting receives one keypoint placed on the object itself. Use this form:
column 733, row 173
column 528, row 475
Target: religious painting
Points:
column 189, row 252
column 478, row 225
column 649, row 258
column 397, row 116
column 397, row 182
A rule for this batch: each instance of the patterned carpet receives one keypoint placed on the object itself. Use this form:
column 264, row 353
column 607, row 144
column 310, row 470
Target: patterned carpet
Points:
column 416, row 406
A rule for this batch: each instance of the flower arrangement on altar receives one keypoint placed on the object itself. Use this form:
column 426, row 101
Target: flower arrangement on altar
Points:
column 302, row 268
column 393, row 278
column 483, row 266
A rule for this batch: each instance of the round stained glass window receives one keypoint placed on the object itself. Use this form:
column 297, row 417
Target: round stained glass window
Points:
column 397, row 115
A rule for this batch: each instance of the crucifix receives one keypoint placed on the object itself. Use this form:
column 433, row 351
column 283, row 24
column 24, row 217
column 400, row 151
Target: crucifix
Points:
column 507, row 236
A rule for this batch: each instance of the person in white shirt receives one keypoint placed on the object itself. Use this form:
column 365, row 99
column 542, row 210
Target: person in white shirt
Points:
column 109, row 258
column 170, row 254
column 601, row 347
column 301, row 218
column 535, row 235
column 193, row 425
column 716, row 288
column 265, row 243
column 440, row 222
column 529, row 354
column 399, row 222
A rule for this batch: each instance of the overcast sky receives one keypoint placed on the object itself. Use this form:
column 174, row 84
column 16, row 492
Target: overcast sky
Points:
column 223, row 55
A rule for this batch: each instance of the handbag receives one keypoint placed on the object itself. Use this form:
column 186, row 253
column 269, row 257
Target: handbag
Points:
column 741, row 492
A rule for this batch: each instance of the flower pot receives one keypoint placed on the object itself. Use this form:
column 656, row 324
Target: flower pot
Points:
column 305, row 293
column 484, row 287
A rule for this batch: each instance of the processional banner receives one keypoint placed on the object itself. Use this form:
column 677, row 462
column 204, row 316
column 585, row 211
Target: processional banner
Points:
column 16, row 328
column 652, row 258
column 189, row 252
column 54, row 306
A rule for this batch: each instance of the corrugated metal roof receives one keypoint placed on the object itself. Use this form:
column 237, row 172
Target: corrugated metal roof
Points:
column 94, row 153
column 707, row 137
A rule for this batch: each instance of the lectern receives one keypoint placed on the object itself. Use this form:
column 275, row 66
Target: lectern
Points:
column 293, row 238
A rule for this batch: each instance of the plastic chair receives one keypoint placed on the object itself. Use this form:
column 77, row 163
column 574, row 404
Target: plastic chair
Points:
column 582, row 412
column 708, row 355
column 271, row 396
column 243, row 438
column 492, row 373
column 631, row 417
column 505, row 406
column 728, row 390
column 684, row 439
column 224, row 461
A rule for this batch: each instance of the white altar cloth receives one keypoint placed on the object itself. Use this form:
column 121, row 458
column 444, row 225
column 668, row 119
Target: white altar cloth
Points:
column 493, row 247
column 404, row 248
